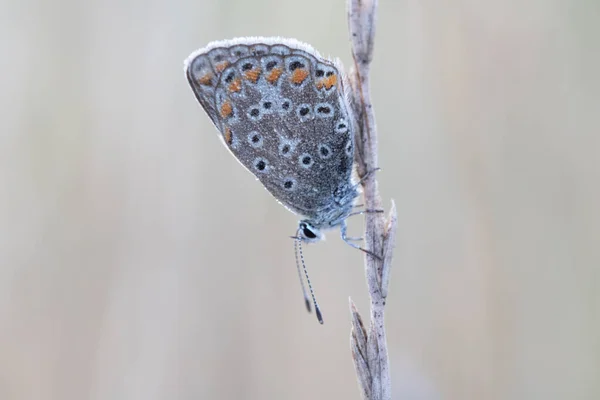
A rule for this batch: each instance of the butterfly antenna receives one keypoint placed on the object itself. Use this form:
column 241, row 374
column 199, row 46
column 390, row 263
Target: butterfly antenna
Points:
column 298, row 247
column 306, row 300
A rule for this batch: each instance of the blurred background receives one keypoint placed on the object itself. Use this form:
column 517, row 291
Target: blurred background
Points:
column 138, row 260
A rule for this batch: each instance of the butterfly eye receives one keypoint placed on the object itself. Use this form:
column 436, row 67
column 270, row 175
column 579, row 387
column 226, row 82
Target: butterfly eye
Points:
column 307, row 232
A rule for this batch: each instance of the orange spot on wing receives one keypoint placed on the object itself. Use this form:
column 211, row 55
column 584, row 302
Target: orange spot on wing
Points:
column 274, row 75
column 206, row 80
column 253, row 74
column 228, row 136
column 327, row 83
column 298, row 76
column 221, row 66
column 236, row 85
column 226, row 109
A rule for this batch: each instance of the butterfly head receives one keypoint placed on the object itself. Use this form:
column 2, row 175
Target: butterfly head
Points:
column 309, row 232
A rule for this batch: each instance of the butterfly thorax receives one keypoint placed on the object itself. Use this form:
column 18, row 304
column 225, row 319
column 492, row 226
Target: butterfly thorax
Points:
column 337, row 211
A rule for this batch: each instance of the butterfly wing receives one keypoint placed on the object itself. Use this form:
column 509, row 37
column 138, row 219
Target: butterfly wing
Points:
column 281, row 111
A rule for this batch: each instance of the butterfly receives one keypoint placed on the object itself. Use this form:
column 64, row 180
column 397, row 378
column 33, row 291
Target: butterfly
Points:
column 282, row 110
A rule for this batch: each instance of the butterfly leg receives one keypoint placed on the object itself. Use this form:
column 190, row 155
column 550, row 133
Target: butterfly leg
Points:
column 360, row 213
column 366, row 211
column 365, row 176
column 343, row 229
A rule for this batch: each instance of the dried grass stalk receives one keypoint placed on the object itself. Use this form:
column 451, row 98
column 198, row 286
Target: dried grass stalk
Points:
column 369, row 346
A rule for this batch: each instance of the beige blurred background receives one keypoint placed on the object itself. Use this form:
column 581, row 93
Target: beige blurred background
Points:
column 138, row 260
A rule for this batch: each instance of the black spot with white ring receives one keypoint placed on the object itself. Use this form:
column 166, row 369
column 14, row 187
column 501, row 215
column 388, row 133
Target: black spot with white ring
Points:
column 306, row 160
column 324, row 110
column 304, row 112
column 270, row 65
column 229, row 77
column 286, row 147
column 349, row 147
column 255, row 139
column 294, row 65
column 271, row 62
column 285, row 105
column 254, row 113
column 325, row 151
column 289, row 184
column 341, row 126
column 267, row 105
column 219, row 55
column 261, row 165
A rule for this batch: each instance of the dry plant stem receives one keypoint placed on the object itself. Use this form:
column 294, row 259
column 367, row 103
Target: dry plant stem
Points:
column 369, row 346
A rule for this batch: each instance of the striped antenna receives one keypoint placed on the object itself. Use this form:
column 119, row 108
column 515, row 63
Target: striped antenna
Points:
column 298, row 250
